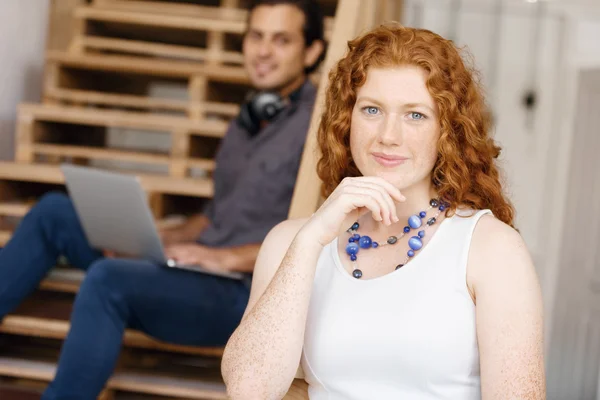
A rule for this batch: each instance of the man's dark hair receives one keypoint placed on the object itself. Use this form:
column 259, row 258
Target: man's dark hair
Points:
column 313, row 21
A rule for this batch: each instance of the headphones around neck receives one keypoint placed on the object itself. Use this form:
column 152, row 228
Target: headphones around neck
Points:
column 261, row 107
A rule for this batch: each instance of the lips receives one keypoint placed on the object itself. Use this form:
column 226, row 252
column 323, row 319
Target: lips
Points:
column 263, row 69
column 389, row 160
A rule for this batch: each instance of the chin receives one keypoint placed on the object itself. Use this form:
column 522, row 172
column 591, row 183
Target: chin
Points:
column 266, row 83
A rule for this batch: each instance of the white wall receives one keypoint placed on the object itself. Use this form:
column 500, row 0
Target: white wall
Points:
column 22, row 43
column 510, row 63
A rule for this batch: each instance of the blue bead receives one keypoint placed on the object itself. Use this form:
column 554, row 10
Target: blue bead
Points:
column 414, row 221
column 406, row 229
column 375, row 245
column 351, row 240
column 421, row 234
column 442, row 207
column 410, row 253
column 356, row 237
column 353, row 257
column 415, row 243
column 422, row 214
column 354, row 226
column 352, row 248
column 365, row 242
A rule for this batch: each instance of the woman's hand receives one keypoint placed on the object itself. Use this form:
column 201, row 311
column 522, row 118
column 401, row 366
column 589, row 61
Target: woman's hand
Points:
column 351, row 199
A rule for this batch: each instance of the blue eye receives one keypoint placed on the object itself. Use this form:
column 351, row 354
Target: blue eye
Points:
column 416, row 116
column 371, row 110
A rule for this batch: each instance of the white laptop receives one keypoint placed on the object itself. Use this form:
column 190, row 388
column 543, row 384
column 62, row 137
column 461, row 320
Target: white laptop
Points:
column 114, row 212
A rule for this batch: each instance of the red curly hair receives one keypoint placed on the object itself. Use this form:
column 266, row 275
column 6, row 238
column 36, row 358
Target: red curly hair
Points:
column 465, row 173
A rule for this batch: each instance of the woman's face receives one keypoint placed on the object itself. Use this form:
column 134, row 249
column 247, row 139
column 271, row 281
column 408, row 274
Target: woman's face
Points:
column 395, row 127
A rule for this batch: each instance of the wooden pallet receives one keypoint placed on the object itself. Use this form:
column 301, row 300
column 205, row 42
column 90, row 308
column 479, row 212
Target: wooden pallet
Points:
column 219, row 29
column 199, row 90
column 53, row 134
column 22, row 184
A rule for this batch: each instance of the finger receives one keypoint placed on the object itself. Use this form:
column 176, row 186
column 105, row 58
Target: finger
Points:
column 393, row 190
column 360, row 200
column 384, row 195
column 385, row 205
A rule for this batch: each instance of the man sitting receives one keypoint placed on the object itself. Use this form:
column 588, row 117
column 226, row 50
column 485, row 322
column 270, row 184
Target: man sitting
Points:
column 254, row 179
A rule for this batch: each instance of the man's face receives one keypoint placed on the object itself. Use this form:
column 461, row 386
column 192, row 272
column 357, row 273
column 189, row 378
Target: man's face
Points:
column 275, row 54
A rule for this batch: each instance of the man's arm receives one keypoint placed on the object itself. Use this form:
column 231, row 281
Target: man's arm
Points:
column 189, row 231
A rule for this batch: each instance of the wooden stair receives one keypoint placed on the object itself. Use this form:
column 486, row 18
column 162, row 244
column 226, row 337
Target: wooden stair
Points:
column 197, row 187
column 173, row 386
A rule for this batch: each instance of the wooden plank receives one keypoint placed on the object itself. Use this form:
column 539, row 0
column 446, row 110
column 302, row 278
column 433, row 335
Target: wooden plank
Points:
column 65, row 280
column 200, row 187
column 165, row 20
column 155, row 384
column 61, row 24
column 119, row 119
column 14, row 209
column 99, row 153
column 307, row 192
column 172, row 8
column 160, row 50
column 124, row 155
column 196, row 10
column 228, row 110
column 58, row 329
column 117, row 100
column 144, row 66
column 4, row 237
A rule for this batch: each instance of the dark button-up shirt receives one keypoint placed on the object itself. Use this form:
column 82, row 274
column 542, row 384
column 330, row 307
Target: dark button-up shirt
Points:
column 255, row 176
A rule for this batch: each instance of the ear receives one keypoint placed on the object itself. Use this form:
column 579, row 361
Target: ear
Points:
column 313, row 52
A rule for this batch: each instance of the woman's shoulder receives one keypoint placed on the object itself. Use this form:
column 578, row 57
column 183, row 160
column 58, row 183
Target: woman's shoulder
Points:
column 497, row 249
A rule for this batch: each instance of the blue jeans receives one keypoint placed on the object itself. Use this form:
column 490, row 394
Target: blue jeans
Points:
column 176, row 306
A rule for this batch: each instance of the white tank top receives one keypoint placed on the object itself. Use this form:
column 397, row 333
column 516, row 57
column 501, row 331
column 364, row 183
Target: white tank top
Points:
column 409, row 334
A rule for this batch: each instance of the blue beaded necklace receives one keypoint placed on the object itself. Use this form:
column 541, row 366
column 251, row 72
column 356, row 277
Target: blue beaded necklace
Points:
column 415, row 243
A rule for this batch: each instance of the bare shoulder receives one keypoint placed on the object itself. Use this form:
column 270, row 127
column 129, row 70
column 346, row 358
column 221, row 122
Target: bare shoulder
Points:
column 271, row 253
column 497, row 254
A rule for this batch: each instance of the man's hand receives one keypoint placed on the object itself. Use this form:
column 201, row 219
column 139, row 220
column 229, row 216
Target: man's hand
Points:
column 195, row 254
column 185, row 232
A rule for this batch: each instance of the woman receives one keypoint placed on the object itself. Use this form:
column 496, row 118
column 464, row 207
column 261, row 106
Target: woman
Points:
column 410, row 281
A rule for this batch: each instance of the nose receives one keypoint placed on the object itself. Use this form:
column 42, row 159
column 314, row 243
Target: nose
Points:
column 264, row 48
column 391, row 132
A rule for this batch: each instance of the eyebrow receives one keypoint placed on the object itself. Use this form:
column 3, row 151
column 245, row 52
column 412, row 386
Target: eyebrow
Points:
column 276, row 33
column 408, row 105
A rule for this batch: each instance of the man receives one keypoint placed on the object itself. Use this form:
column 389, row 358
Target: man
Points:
column 254, row 181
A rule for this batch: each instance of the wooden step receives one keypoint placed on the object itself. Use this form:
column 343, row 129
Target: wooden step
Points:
column 199, row 187
column 195, row 22
column 120, row 119
column 138, row 47
column 66, row 280
column 4, row 237
column 152, row 67
column 15, row 209
column 16, row 393
column 227, row 110
column 156, row 384
column 174, row 8
column 93, row 153
column 58, row 329
column 189, row 10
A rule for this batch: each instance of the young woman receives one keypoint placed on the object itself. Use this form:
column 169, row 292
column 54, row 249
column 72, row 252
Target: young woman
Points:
column 410, row 281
